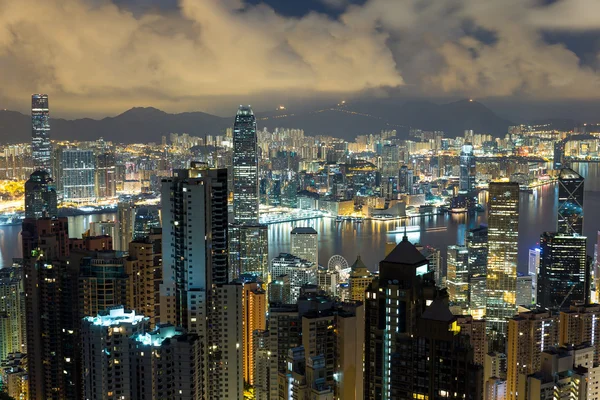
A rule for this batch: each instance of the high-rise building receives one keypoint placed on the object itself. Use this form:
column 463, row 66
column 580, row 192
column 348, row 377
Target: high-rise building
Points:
column 305, row 244
column 529, row 334
column 475, row 329
column 359, row 280
column 262, row 365
column 123, row 359
column 13, row 374
column 41, row 147
column 477, row 244
column 40, row 196
column 254, row 310
column 564, row 276
column 245, row 168
column 144, row 268
column 300, row 272
column 78, row 173
column 467, row 169
column 53, row 322
column 503, row 233
column 284, row 322
column 13, row 336
column 126, row 211
column 249, row 251
column 581, row 325
column 106, row 180
column 533, row 269
column 406, row 180
column 570, row 202
column 390, row 159
column 524, row 290
column 457, row 278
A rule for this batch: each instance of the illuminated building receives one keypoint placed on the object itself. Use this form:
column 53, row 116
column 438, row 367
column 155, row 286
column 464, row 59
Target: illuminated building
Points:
column 564, row 276
column 41, row 148
column 570, row 202
column 125, row 219
column 467, row 169
column 475, row 329
column 13, row 336
column 581, row 325
column 13, row 375
column 524, row 290
column 284, row 322
column 457, row 278
column 304, row 377
column 122, row 359
column 300, row 272
column 328, row 280
column 529, row 334
column 477, row 244
column 262, row 365
column 53, row 361
column 144, row 269
column 245, row 168
column 280, row 290
column 78, row 176
column 503, row 233
column 305, row 244
column 40, row 196
column 254, row 318
column 106, row 183
column 533, row 269
column 406, row 180
column 249, row 251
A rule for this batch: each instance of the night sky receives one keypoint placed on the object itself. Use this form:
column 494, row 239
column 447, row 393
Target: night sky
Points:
column 100, row 57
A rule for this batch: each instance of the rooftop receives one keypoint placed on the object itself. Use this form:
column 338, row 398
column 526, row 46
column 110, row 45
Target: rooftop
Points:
column 116, row 316
column 568, row 173
column 304, row 230
column 405, row 253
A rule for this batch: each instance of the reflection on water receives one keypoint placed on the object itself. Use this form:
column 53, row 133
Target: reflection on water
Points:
column 349, row 239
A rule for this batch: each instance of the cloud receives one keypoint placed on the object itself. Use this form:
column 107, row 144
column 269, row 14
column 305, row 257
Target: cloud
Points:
column 92, row 56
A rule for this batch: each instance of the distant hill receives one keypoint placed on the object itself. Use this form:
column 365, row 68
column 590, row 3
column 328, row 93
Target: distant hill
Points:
column 345, row 121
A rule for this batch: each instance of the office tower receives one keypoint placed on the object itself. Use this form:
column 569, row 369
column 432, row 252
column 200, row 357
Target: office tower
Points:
column 280, row 290
column 564, row 276
column 147, row 218
column 477, row 296
column 41, row 148
column 570, row 202
column 475, row 330
column 249, row 251
column 467, row 169
column 503, row 233
column 359, row 281
column 394, row 302
column 580, row 325
column 477, row 244
column 40, row 196
column 125, row 218
column 226, row 338
column 406, row 180
column 124, row 360
column 106, row 180
column 457, row 278
column 529, row 334
column 78, row 176
column 533, row 269
column 305, row 244
column 144, row 269
column 262, row 365
column 197, row 208
column 13, row 335
column 557, row 378
column 390, row 158
column 245, row 168
column 52, row 320
column 102, row 282
column 524, row 290
column 254, row 310
column 300, row 272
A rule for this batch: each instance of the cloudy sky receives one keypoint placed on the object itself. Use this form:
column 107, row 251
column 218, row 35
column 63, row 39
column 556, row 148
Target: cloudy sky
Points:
column 100, row 57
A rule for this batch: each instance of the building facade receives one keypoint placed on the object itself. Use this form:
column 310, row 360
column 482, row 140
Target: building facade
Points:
column 40, row 196
column 78, row 174
column 570, row 202
column 41, row 147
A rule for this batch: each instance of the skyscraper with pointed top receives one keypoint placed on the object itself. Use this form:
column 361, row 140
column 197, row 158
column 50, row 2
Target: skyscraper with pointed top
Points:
column 41, row 148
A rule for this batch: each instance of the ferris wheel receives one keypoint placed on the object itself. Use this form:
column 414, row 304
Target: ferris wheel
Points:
column 340, row 265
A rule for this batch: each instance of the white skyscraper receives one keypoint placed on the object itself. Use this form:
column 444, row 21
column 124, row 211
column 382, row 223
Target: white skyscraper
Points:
column 305, row 244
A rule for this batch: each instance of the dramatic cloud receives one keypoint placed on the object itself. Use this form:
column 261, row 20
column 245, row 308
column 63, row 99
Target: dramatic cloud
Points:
column 95, row 56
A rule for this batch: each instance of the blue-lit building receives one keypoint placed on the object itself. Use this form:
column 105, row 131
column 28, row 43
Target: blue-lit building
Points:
column 467, row 169
column 570, row 202
column 41, row 148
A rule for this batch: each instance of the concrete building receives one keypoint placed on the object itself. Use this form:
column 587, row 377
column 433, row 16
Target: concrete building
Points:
column 300, row 272
column 580, row 325
column 305, row 244
column 13, row 334
column 254, row 309
column 359, row 281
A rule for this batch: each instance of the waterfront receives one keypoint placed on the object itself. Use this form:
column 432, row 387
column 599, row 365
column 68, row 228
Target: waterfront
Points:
column 537, row 214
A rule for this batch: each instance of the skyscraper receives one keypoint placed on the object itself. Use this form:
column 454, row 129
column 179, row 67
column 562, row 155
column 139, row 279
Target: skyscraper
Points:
column 254, row 309
column 564, row 276
column 503, row 233
column 12, row 312
column 40, row 196
column 457, row 279
column 106, row 182
column 477, row 244
column 305, row 244
column 359, row 280
column 300, row 272
column 467, row 169
column 126, row 211
column 41, row 148
column 249, row 251
column 533, row 269
column 78, row 175
column 570, row 202
column 245, row 168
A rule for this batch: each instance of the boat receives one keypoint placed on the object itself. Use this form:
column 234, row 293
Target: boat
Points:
column 405, row 228
column 458, row 210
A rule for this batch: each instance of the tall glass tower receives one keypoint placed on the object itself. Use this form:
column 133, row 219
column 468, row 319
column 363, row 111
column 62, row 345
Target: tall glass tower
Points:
column 570, row 202
column 245, row 168
column 40, row 133
column 467, row 169
column 503, row 235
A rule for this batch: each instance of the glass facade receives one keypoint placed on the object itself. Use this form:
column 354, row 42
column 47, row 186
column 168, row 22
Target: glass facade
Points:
column 41, row 148
column 78, row 176
column 570, row 202
column 503, row 232
column 245, row 168
column 457, row 276
column 467, row 169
